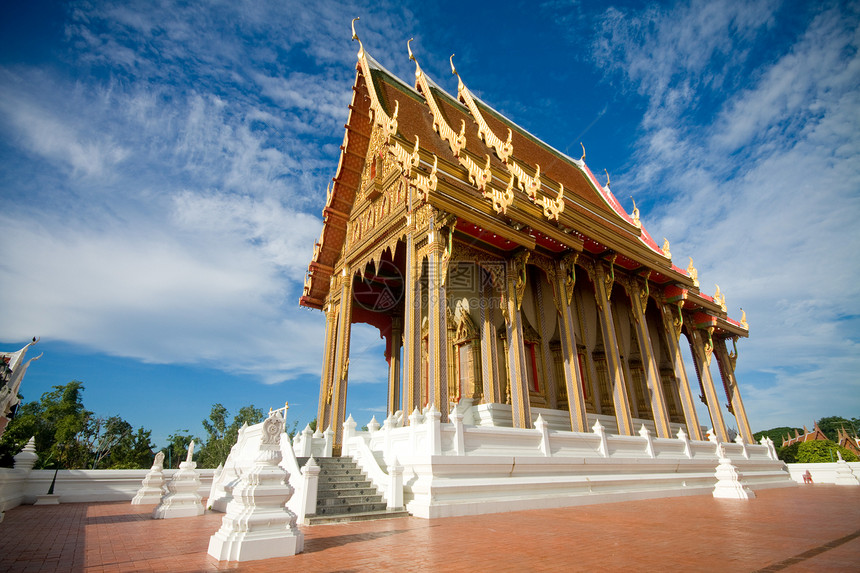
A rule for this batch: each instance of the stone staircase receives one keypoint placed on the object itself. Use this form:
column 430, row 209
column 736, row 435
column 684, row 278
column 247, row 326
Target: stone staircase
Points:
column 346, row 494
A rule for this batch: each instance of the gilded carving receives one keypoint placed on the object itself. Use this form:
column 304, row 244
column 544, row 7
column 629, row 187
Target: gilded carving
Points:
column 455, row 141
column 744, row 323
column 407, row 160
column 609, row 279
column 552, row 208
column 645, row 293
column 477, row 176
column 709, row 345
column 678, row 323
column 694, row 274
column 635, row 214
column 733, row 354
column 380, row 118
column 503, row 149
column 720, row 299
column 666, row 252
column 501, row 199
column 519, row 267
column 569, row 269
column 529, row 185
column 425, row 184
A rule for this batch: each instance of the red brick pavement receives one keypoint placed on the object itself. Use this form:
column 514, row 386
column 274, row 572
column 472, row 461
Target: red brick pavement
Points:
column 807, row 528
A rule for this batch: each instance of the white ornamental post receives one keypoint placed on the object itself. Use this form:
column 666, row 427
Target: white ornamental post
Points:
column 182, row 499
column 258, row 524
column 152, row 487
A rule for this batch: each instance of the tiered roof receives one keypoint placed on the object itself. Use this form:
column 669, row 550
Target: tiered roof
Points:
column 506, row 187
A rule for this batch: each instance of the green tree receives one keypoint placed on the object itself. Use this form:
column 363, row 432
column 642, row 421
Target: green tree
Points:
column 776, row 434
column 830, row 425
column 818, row 451
column 221, row 435
column 132, row 451
column 58, row 422
column 177, row 448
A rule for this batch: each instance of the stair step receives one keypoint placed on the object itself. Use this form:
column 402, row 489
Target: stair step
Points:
column 360, row 516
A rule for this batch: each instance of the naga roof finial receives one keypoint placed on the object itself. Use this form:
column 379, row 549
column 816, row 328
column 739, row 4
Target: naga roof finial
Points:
column 408, row 47
column 453, row 69
column 583, row 151
column 666, row 252
column 355, row 36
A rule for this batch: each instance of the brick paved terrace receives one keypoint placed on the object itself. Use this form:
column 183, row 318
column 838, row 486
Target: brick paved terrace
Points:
column 807, row 528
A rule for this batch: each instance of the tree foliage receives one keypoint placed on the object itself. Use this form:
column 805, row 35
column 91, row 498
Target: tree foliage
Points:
column 70, row 436
column 776, row 434
column 830, row 425
column 818, row 451
column 221, row 435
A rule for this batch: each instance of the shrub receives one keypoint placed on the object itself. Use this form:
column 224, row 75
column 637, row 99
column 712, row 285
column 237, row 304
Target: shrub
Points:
column 819, row 451
column 788, row 454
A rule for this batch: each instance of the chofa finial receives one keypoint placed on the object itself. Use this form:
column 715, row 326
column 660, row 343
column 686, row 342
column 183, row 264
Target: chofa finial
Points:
column 607, row 178
column 583, row 151
column 453, row 69
column 355, row 37
column 408, row 47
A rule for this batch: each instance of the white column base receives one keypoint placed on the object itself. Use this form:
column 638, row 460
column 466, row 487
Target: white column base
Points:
column 250, row 546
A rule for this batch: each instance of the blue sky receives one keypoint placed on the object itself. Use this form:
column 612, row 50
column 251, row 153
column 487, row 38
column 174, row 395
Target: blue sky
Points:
column 163, row 166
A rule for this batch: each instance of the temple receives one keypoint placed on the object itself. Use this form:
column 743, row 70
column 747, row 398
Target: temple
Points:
column 513, row 281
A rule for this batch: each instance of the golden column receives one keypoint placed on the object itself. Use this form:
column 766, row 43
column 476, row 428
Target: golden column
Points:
column 565, row 279
column 437, row 310
column 726, row 361
column 411, row 320
column 394, row 365
column 672, row 326
column 638, row 300
column 341, row 370
column 330, row 352
column 489, row 369
column 515, row 286
column 702, row 348
column 603, row 282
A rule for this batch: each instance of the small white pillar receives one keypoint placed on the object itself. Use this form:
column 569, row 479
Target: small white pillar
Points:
column 329, row 442
column 542, row 427
column 682, row 435
column 730, row 484
column 395, row 486
column 306, row 449
column 182, row 499
column 456, row 417
column 152, row 487
column 348, row 433
column 433, row 422
column 649, row 441
column 310, row 485
column 603, row 448
column 258, row 525
column 739, row 440
column 27, row 458
column 373, row 425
